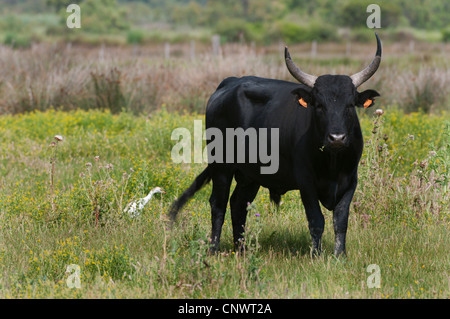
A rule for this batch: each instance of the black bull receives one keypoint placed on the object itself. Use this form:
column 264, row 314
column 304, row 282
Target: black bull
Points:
column 320, row 145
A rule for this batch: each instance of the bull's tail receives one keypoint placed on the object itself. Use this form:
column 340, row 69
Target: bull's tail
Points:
column 200, row 181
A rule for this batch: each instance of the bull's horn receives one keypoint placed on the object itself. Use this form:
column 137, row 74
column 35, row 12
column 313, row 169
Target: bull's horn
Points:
column 362, row 76
column 302, row 77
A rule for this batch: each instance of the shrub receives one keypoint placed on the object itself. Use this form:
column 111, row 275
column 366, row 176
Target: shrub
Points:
column 291, row 32
column 135, row 36
column 232, row 30
column 321, row 33
column 12, row 23
column 17, row 40
column 361, row 35
column 446, row 35
column 102, row 16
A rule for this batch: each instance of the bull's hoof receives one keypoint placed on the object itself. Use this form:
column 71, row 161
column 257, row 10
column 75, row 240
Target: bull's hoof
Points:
column 213, row 250
column 340, row 253
column 239, row 246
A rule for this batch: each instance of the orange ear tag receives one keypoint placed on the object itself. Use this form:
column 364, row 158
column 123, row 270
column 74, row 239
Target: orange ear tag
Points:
column 303, row 103
column 368, row 103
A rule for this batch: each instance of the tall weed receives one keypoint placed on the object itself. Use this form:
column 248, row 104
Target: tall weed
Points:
column 408, row 199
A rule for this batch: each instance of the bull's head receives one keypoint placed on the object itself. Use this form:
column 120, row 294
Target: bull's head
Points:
column 334, row 98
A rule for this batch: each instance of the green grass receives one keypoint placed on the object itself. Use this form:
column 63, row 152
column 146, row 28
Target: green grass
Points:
column 399, row 216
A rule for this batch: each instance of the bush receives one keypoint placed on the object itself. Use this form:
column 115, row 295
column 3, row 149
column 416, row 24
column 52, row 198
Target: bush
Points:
column 12, row 23
column 446, row 35
column 321, row 33
column 288, row 31
column 232, row 30
column 257, row 32
column 17, row 40
column 104, row 16
column 135, row 37
column 362, row 35
column 291, row 32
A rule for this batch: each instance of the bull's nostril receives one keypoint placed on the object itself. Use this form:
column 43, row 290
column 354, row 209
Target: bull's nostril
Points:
column 337, row 138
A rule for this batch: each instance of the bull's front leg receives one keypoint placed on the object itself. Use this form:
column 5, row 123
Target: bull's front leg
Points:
column 340, row 219
column 316, row 221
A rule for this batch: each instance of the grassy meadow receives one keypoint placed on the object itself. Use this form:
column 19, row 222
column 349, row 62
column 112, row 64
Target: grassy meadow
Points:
column 61, row 202
column 399, row 217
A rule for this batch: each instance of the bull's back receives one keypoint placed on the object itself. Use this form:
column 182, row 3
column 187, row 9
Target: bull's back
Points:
column 250, row 102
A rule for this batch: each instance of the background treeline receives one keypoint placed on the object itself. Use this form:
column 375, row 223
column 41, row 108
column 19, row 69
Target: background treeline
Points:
column 261, row 21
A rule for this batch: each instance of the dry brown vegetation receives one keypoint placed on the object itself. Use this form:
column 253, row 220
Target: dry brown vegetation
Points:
column 141, row 79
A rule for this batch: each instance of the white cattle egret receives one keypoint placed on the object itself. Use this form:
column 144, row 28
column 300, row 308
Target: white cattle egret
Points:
column 134, row 208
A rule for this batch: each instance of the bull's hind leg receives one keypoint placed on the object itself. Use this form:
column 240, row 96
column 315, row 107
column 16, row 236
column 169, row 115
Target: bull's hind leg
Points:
column 219, row 199
column 244, row 193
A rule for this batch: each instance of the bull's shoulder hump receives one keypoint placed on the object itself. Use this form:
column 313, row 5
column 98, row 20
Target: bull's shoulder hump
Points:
column 227, row 82
column 256, row 89
column 264, row 90
column 254, row 81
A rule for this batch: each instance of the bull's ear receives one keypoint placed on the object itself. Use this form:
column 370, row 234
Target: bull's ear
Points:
column 302, row 96
column 367, row 98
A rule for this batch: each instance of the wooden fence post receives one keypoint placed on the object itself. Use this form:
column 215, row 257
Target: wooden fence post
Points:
column 167, row 50
column 216, row 45
column 192, row 50
column 314, row 49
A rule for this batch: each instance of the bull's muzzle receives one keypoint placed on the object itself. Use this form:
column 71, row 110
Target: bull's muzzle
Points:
column 337, row 140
